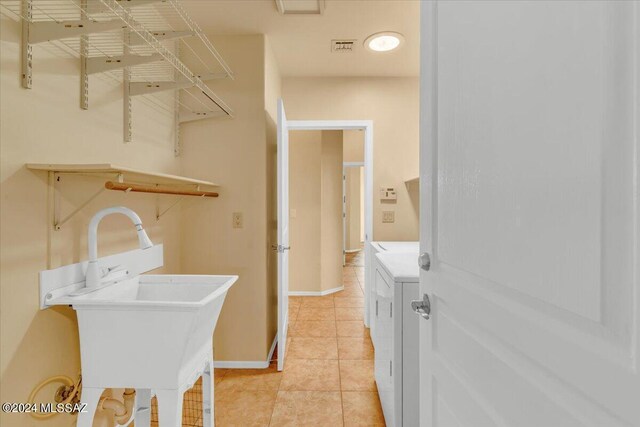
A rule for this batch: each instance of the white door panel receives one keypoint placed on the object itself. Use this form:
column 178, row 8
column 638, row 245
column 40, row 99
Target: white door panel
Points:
column 530, row 212
column 283, row 233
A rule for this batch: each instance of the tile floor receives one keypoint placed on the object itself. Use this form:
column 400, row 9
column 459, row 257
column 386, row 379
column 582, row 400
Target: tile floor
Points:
column 328, row 376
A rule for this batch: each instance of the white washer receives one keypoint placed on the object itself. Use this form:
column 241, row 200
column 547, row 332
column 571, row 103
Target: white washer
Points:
column 409, row 247
column 396, row 327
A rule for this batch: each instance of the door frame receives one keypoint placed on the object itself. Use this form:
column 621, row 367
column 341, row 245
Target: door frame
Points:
column 345, row 166
column 367, row 127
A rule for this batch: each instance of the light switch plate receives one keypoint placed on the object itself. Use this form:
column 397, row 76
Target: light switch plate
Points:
column 237, row 220
column 388, row 216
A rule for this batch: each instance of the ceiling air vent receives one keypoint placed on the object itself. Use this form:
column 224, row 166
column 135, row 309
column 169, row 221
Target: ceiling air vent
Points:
column 342, row 46
column 300, row 7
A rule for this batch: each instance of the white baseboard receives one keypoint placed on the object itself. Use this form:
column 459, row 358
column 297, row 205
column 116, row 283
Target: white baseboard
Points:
column 315, row 293
column 248, row 364
column 240, row 364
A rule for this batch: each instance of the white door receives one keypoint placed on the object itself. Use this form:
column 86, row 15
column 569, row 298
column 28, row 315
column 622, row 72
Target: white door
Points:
column 530, row 211
column 283, row 233
column 344, row 216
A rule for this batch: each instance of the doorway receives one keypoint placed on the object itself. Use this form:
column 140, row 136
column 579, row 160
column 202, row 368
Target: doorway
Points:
column 283, row 245
column 353, row 214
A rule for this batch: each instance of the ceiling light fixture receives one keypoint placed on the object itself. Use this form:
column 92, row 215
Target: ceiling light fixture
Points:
column 384, row 42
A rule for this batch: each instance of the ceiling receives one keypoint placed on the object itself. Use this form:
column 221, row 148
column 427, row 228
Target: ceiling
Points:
column 302, row 43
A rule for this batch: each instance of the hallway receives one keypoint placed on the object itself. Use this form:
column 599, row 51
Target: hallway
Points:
column 328, row 377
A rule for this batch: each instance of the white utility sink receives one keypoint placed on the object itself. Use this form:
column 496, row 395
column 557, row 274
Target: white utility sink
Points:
column 150, row 331
column 153, row 333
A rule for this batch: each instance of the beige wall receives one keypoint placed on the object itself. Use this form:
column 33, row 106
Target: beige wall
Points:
column 238, row 154
column 315, row 198
column 353, row 151
column 393, row 105
column 304, row 200
column 353, row 219
column 331, row 236
column 353, row 145
column 45, row 124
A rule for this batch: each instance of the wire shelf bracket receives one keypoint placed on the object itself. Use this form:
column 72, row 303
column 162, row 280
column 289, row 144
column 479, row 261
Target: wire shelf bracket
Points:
column 199, row 115
column 144, row 88
column 137, row 42
column 47, row 31
column 108, row 63
column 161, row 36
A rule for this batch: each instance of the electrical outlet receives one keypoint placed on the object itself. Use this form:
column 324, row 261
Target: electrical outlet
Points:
column 237, row 220
column 388, row 216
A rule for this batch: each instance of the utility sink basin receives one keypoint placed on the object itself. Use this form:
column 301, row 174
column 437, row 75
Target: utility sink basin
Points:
column 149, row 331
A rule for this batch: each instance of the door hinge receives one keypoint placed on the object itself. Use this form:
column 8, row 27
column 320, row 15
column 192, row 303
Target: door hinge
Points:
column 390, row 368
column 390, row 309
column 280, row 248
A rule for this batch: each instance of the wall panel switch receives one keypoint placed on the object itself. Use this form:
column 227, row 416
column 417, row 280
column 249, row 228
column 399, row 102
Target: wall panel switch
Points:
column 388, row 216
column 237, row 220
column 388, row 193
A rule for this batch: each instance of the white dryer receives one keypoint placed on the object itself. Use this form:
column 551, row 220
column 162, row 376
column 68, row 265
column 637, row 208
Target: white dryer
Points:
column 396, row 328
column 409, row 247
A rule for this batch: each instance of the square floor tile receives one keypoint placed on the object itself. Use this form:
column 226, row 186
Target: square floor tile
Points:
column 308, row 313
column 244, row 407
column 349, row 313
column 251, row 379
column 314, row 328
column 313, row 348
column 311, row 375
column 307, row 408
column 355, row 348
column 362, row 409
column 318, row 302
column 293, row 314
column 349, row 302
column 357, row 375
column 351, row 328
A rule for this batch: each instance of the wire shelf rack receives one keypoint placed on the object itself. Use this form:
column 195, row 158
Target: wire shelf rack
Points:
column 150, row 45
column 191, row 407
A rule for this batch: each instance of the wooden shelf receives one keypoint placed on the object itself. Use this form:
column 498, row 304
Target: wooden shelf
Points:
column 128, row 174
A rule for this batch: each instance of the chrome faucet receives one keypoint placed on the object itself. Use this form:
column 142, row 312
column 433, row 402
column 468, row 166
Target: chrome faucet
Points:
column 94, row 273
